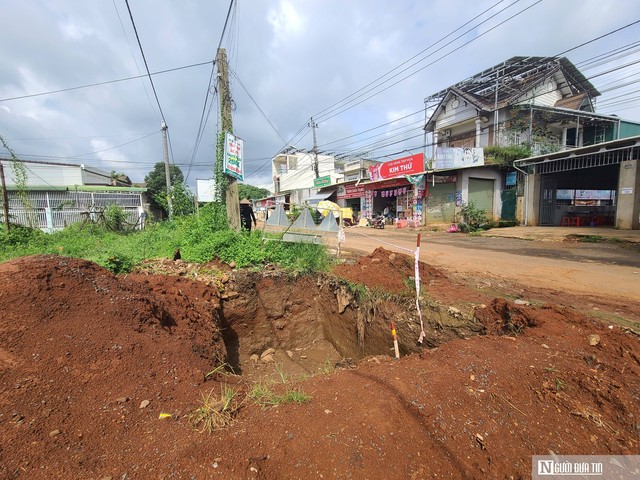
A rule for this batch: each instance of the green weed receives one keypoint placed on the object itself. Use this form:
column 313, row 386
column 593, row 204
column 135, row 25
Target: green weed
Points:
column 200, row 239
column 281, row 373
column 262, row 394
column 216, row 412
column 327, row 367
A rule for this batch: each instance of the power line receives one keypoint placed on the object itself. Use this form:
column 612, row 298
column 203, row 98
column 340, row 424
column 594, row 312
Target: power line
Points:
column 256, row 104
column 117, row 146
column 124, row 32
column 203, row 123
column 320, row 114
column 429, row 64
column 146, row 65
column 107, row 82
column 578, row 46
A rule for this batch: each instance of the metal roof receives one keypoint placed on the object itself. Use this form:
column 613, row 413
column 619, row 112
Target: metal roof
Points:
column 513, row 78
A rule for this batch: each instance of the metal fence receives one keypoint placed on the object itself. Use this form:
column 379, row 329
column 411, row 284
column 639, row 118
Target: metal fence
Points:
column 55, row 210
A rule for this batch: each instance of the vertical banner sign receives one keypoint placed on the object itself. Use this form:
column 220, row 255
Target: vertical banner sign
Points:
column 233, row 154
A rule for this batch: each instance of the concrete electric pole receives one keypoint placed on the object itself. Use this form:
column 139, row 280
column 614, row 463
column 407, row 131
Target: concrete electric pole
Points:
column 314, row 125
column 167, row 171
column 231, row 192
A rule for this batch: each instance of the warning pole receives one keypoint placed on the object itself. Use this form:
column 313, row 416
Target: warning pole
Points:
column 417, row 277
column 395, row 340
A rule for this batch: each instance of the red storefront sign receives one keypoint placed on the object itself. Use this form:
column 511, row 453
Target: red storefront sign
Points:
column 410, row 165
column 350, row 191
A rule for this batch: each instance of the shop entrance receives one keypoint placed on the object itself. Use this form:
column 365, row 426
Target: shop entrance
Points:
column 585, row 197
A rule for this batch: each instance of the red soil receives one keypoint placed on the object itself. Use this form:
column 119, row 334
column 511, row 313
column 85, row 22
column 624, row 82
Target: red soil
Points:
column 80, row 349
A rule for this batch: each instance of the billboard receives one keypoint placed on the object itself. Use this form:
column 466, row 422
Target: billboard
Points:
column 350, row 191
column 206, row 190
column 450, row 158
column 233, row 155
column 399, row 167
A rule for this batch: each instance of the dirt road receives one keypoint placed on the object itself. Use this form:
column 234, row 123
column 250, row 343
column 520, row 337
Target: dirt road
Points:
column 592, row 269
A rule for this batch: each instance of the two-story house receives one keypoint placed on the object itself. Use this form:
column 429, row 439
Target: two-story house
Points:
column 298, row 174
column 543, row 104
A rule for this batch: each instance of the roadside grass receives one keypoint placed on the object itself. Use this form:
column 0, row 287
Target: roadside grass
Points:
column 200, row 238
column 216, row 411
column 597, row 239
column 263, row 392
column 608, row 317
column 264, row 395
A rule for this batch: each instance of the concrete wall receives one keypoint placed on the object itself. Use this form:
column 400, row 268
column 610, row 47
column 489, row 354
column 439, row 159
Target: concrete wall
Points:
column 628, row 211
column 531, row 207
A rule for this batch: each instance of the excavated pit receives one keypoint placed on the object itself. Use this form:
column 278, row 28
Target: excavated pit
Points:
column 311, row 323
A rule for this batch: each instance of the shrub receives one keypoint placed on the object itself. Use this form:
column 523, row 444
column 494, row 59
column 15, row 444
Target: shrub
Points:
column 115, row 218
column 474, row 218
column 119, row 263
column 21, row 235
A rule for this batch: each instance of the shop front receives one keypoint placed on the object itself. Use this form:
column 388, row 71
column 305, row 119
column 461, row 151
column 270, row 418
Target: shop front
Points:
column 395, row 199
column 396, row 190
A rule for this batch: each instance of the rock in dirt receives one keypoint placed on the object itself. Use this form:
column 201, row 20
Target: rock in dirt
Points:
column 268, row 351
column 453, row 311
column 122, row 399
column 594, row 340
column 268, row 359
column 144, row 403
column 54, row 433
column 254, row 358
column 519, row 301
column 290, row 354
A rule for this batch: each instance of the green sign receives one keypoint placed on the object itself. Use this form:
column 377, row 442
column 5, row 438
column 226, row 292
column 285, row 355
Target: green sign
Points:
column 322, row 181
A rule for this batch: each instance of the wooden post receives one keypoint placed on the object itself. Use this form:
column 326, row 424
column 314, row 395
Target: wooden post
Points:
column 5, row 200
column 231, row 192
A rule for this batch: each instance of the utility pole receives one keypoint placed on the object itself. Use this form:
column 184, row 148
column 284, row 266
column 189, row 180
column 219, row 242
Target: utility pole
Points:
column 5, row 200
column 231, row 191
column 314, row 125
column 167, row 172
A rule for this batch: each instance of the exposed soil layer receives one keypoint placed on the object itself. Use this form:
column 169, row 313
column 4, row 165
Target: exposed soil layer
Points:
column 82, row 349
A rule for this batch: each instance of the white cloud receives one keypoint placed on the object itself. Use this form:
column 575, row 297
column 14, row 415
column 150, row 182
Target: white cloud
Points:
column 73, row 31
column 285, row 21
column 296, row 58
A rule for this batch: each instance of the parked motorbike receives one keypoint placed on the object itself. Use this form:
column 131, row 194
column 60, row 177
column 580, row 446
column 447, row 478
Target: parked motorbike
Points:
column 377, row 222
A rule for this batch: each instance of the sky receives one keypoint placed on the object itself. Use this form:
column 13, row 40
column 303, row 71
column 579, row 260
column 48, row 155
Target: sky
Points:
column 360, row 68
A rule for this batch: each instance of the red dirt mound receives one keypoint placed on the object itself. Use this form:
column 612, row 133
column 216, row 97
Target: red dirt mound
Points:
column 80, row 349
column 388, row 271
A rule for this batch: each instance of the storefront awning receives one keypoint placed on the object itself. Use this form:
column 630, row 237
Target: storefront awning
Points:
column 318, row 197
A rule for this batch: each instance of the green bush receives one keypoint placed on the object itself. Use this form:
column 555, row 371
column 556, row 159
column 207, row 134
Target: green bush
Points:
column 20, row 235
column 505, row 155
column 115, row 218
column 200, row 239
column 473, row 218
column 118, row 263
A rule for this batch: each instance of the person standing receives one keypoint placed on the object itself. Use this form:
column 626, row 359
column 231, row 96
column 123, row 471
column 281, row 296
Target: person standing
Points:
column 247, row 215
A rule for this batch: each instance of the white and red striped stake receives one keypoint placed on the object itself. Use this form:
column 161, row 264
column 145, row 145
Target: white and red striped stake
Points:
column 395, row 340
column 417, row 276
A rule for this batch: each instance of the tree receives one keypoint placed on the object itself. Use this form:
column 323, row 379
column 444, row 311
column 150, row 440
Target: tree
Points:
column 182, row 200
column 156, row 181
column 251, row 192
